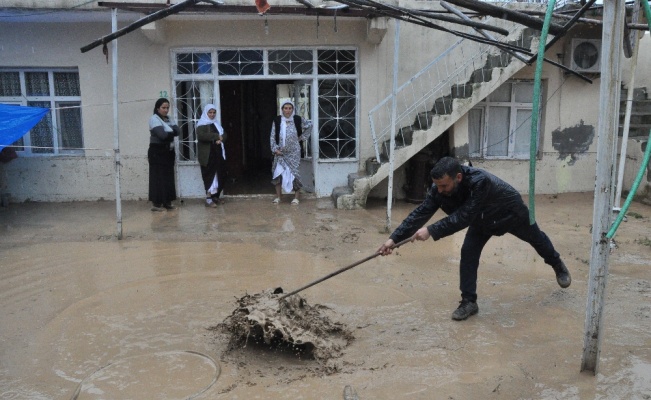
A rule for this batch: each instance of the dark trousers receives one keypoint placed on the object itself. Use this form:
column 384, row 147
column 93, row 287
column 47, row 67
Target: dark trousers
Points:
column 216, row 165
column 476, row 239
column 162, row 188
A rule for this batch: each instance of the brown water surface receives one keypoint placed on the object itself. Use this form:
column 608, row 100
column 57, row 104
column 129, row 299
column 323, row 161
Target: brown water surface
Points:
column 84, row 315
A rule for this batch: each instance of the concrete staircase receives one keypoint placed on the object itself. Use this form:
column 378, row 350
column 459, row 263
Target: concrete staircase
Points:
column 640, row 122
column 428, row 125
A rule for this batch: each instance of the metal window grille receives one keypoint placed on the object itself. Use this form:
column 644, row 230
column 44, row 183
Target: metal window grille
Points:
column 60, row 131
column 330, row 71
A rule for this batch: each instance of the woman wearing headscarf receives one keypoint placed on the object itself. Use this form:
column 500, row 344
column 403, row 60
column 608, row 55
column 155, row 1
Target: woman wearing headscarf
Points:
column 287, row 131
column 162, row 189
column 211, row 155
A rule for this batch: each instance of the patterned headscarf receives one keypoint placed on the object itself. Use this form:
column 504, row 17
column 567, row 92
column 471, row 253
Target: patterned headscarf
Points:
column 284, row 120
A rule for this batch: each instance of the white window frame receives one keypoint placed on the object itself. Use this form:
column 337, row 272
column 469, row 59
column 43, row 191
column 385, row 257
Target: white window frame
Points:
column 53, row 101
column 485, row 107
column 314, row 77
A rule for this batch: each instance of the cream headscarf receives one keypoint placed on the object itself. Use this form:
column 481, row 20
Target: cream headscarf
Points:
column 205, row 120
column 284, row 121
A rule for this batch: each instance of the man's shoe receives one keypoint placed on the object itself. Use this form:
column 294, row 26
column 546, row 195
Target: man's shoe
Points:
column 466, row 309
column 562, row 275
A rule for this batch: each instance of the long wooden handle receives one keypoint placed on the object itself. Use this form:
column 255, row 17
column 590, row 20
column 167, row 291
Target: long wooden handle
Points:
column 339, row 271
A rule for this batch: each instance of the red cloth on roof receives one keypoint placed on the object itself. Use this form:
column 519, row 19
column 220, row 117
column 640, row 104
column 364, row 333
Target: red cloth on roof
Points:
column 262, row 6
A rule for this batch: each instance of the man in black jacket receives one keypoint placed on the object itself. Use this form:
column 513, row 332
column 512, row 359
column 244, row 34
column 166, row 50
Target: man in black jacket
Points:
column 475, row 199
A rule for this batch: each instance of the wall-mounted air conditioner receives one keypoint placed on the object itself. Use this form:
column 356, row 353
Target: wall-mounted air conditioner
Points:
column 585, row 55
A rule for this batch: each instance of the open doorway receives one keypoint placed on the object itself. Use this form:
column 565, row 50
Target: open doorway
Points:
column 247, row 111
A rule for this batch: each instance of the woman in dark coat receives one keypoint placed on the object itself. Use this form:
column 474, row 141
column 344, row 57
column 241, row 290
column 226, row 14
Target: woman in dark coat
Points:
column 211, row 155
column 162, row 189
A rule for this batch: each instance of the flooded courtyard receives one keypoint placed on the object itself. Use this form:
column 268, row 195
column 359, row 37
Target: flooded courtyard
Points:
column 86, row 316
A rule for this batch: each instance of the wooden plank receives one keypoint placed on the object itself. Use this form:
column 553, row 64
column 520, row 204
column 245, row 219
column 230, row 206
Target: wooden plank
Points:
column 609, row 100
column 507, row 14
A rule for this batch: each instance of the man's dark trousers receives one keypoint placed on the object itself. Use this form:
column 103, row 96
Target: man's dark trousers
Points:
column 475, row 240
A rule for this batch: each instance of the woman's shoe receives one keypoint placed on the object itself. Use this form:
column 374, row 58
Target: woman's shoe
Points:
column 276, row 200
column 157, row 207
column 169, row 206
column 210, row 203
column 294, row 202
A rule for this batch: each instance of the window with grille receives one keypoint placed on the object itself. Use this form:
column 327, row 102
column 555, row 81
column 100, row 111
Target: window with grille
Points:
column 499, row 127
column 60, row 131
column 331, row 71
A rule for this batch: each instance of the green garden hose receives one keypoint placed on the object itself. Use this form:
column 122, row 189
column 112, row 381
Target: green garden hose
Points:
column 533, row 147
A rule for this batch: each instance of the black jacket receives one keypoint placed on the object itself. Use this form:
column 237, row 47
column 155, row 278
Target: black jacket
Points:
column 482, row 200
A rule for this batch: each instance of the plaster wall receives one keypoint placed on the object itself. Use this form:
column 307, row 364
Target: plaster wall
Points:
column 144, row 72
column 564, row 165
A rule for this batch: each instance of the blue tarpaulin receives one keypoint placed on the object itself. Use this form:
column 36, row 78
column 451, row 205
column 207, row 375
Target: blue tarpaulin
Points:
column 15, row 121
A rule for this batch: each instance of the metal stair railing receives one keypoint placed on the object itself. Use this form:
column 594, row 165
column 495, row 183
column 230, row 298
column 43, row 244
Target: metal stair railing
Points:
column 452, row 67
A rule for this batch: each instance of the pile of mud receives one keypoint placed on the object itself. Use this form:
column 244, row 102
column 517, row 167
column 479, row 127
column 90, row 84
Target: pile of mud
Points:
column 291, row 323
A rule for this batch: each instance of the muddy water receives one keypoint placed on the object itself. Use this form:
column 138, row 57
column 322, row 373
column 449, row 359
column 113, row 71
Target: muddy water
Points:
column 83, row 315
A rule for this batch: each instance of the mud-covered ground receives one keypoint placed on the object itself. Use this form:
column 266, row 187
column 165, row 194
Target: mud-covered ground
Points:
column 86, row 316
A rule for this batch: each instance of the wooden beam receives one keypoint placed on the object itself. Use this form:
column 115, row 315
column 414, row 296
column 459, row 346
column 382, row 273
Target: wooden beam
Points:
column 141, row 22
column 608, row 126
column 567, row 26
column 229, row 9
column 507, row 14
column 590, row 21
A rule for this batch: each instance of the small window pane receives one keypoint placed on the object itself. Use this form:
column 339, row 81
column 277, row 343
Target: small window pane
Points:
column 524, row 92
column 69, row 119
column 497, row 129
column 193, row 63
column 66, row 84
column 9, row 84
column 475, row 123
column 240, row 62
column 41, row 133
column 332, row 62
column 287, row 62
column 502, row 93
column 37, row 84
column 522, row 134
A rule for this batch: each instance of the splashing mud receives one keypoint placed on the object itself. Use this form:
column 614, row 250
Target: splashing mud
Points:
column 292, row 323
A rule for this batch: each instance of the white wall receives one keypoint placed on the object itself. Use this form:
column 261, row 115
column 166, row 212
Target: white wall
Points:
column 144, row 71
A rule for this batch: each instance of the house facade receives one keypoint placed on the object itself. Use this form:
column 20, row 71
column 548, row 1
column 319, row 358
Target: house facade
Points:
column 335, row 63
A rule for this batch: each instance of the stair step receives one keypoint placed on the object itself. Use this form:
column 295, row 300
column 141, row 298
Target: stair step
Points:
column 423, row 121
column 353, row 177
column 644, row 119
column 481, row 75
column 340, row 191
column 639, row 94
column 462, row 91
column 498, row 60
column 442, row 106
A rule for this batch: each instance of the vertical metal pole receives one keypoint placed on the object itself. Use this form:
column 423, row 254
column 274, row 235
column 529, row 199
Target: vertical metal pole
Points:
column 392, row 131
column 629, row 106
column 116, row 129
column 612, row 36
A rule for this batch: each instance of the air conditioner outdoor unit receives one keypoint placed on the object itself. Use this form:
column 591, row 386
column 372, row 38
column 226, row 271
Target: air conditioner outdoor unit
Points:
column 585, row 55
